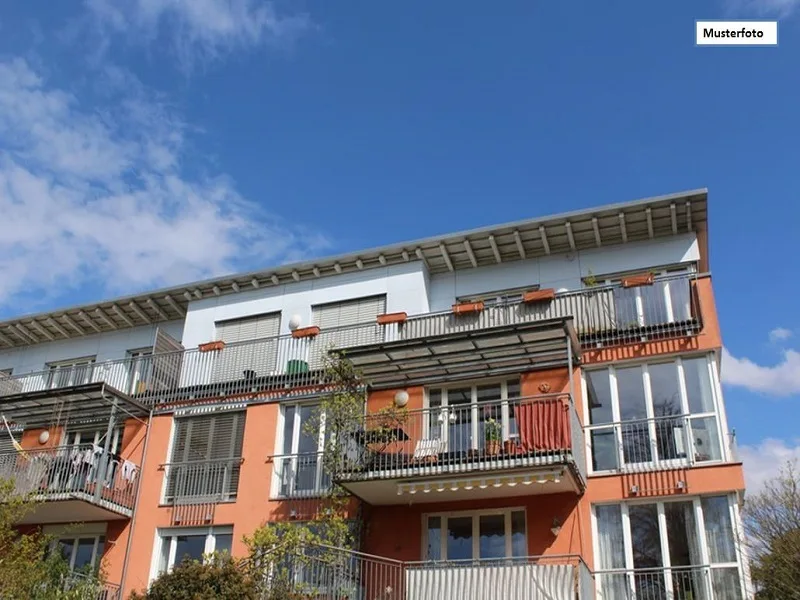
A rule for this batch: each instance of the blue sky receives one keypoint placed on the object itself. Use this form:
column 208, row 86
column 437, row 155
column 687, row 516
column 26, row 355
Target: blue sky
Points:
column 147, row 142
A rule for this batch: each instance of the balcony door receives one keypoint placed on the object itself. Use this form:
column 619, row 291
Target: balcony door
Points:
column 458, row 415
column 476, row 535
column 251, row 347
column 300, row 468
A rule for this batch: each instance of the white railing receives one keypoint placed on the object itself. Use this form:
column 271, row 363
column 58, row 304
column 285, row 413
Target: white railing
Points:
column 602, row 315
column 80, row 471
column 675, row 583
column 300, row 476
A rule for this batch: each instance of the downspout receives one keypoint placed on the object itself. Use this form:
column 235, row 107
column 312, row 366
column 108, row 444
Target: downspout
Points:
column 136, row 505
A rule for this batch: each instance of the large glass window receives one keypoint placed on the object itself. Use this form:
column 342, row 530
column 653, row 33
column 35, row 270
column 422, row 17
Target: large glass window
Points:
column 478, row 535
column 299, row 469
column 656, row 550
column 659, row 412
column 179, row 545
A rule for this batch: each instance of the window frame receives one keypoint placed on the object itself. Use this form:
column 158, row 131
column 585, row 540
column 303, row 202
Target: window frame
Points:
column 505, row 408
column 616, row 422
column 172, row 533
column 292, row 456
column 54, row 367
column 93, row 531
column 506, row 512
column 700, row 532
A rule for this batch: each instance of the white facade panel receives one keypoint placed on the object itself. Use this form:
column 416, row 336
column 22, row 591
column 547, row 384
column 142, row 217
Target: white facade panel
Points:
column 561, row 272
column 404, row 286
column 104, row 346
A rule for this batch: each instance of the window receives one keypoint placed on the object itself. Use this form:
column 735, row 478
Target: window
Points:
column 82, row 547
column 668, row 300
column 299, row 469
column 657, row 549
column 350, row 312
column 458, row 415
column 177, row 545
column 242, row 360
column 475, row 535
column 206, row 456
column 655, row 413
column 140, row 369
column 500, row 297
column 76, row 371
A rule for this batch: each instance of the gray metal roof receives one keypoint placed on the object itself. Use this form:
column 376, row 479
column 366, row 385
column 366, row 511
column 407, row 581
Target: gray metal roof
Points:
column 578, row 230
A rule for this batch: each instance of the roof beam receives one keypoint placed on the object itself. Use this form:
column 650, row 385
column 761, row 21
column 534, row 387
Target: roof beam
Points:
column 177, row 307
column 216, row 290
column 253, row 282
column 688, row 216
column 275, row 280
column 622, row 227
column 359, row 264
column 545, row 243
column 58, row 328
column 188, row 295
column 105, row 318
column 382, row 259
column 570, row 237
column 235, row 286
column 421, row 255
column 596, row 227
column 138, row 311
column 6, row 341
column 470, row 253
column 446, row 256
column 315, row 270
column 69, row 321
column 198, row 294
column 495, row 249
column 88, row 320
column 157, row 309
column 405, row 255
column 44, row 332
column 649, row 212
column 125, row 318
column 673, row 212
column 26, row 334
column 295, row 275
column 520, row 247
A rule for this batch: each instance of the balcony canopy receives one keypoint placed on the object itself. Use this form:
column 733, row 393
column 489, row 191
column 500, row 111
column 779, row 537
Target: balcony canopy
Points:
column 467, row 354
column 92, row 402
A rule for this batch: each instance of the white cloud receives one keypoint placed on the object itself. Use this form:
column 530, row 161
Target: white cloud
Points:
column 782, row 379
column 779, row 334
column 762, row 8
column 197, row 29
column 764, row 461
column 93, row 196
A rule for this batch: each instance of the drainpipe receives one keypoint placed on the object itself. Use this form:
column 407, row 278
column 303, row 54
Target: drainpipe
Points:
column 136, row 505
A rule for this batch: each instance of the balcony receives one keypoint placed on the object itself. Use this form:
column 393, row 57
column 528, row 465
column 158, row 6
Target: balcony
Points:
column 194, row 488
column 675, row 583
column 600, row 315
column 72, row 484
column 514, row 447
column 99, row 590
column 328, row 573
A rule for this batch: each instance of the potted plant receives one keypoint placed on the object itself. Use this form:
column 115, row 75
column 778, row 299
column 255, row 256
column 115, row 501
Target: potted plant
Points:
column 492, row 431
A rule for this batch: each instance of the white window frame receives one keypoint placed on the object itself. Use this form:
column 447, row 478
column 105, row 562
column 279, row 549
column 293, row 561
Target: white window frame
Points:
column 662, row 531
column 475, row 515
column 616, row 422
column 505, row 410
column 73, row 363
column 173, row 533
column 292, row 457
column 83, row 532
column 140, row 366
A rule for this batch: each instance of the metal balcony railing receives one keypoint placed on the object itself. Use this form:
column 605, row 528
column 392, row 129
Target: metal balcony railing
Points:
column 328, row 573
column 665, row 442
column 602, row 315
column 536, row 431
column 95, row 588
column 70, row 472
column 300, row 475
column 675, row 583
column 202, row 481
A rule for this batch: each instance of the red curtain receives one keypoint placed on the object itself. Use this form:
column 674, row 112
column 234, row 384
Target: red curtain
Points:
column 543, row 424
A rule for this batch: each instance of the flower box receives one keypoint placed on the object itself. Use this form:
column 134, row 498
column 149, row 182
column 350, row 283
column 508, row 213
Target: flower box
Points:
column 389, row 318
column 466, row 308
column 304, row 332
column 211, row 346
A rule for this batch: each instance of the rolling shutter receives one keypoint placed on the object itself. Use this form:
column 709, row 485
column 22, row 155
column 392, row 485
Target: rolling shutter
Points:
column 349, row 312
column 238, row 357
column 205, row 448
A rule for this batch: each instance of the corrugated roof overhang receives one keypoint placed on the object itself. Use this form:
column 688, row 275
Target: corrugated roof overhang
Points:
column 453, row 356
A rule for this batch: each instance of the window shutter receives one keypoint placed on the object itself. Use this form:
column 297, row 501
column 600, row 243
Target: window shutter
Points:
column 237, row 358
column 349, row 312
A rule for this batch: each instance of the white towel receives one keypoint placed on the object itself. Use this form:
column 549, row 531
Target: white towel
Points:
column 128, row 470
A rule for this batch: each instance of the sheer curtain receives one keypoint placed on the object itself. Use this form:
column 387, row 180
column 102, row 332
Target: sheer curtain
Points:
column 611, row 545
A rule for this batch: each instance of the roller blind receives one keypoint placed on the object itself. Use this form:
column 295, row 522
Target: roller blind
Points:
column 249, row 328
column 260, row 356
column 349, row 312
column 211, row 438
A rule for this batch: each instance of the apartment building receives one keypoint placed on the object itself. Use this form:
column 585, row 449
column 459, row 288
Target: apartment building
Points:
column 564, row 431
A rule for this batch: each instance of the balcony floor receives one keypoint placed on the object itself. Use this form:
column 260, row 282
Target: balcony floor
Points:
column 73, row 507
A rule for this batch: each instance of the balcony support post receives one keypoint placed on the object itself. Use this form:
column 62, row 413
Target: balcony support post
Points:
column 102, row 468
column 569, row 370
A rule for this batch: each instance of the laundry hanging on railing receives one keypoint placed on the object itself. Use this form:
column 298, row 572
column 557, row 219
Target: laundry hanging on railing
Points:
column 128, row 471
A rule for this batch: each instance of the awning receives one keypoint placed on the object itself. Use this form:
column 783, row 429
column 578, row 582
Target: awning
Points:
column 495, row 351
column 77, row 404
